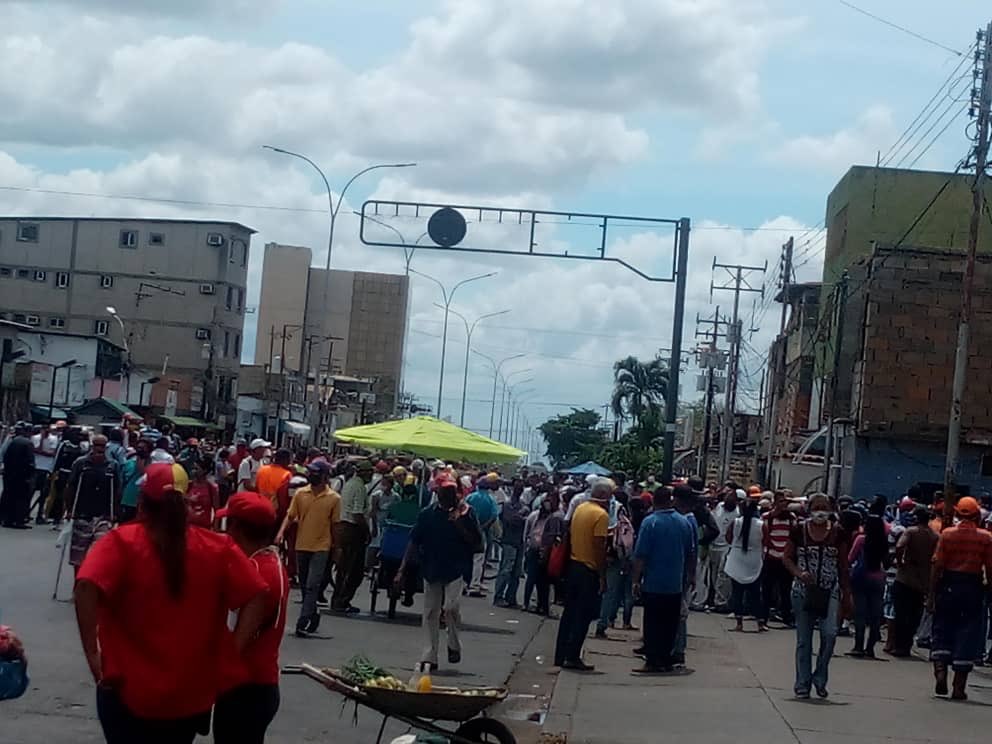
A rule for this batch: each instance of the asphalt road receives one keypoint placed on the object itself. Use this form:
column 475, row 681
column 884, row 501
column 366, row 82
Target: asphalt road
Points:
column 59, row 705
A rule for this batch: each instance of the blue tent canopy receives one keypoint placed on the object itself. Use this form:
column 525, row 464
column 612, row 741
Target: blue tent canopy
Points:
column 588, row 468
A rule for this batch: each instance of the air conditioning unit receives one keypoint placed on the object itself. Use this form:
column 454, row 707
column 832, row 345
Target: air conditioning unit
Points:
column 215, row 239
column 202, row 334
column 206, row 289
column 32, row 320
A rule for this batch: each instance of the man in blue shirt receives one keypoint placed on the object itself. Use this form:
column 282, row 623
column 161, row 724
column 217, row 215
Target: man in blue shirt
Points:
column 663, row 551
column 443, row 541
column 486, row 511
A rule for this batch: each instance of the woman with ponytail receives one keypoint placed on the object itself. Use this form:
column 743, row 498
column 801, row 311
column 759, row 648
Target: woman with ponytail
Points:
column 152, row 601
column 744, row 563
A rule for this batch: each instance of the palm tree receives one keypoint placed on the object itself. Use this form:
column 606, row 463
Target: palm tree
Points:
column 639, row 388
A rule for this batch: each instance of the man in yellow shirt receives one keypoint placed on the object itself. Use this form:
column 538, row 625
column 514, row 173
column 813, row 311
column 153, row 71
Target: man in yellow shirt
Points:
column 585, row 578
column 315, row 509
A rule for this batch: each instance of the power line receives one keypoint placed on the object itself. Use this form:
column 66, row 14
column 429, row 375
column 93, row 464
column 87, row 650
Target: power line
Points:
column 896, row 26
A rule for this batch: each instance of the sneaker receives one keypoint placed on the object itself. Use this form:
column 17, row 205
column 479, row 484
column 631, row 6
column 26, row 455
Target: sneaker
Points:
column 601, row 634
column 678, row 659
column 802, row 695
column 454, row 657
column 301, row 633
column 822, row 692
column 578, row 666
column 628, row 626
column 323, row 604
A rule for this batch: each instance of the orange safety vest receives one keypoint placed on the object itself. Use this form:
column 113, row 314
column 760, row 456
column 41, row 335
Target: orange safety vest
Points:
column 269, row 480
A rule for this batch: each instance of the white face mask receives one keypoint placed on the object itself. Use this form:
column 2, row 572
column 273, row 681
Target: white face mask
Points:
column 820, row 517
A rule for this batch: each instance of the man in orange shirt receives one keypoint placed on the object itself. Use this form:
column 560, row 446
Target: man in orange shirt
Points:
column 272, row 481
column 962, row 559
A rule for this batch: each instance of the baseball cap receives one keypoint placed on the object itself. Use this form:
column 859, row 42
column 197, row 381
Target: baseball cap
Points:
column 162, row 478
column 256, row 443
column 967, row 507
column 319, row 466
column 907, row 504
column 249, row 507
column 363, row 466
column 417, row 464
column 399, row 472
column 382, row 466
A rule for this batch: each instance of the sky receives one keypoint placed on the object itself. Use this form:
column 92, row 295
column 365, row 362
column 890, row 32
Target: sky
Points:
column 740, row 115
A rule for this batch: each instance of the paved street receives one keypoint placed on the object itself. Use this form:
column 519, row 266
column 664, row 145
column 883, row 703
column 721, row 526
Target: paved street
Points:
column 740, row 691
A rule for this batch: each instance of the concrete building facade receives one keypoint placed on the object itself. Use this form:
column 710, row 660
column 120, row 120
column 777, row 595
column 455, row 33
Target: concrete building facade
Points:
column 344, row 323
column 177, row 285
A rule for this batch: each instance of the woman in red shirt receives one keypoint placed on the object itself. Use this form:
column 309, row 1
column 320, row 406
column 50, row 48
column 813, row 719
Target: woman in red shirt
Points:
column 202, row 496
column 152, row 599
column 249, row 685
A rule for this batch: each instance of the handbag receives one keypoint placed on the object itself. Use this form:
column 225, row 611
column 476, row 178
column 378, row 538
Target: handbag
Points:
column 817, row 599
column 558, row 561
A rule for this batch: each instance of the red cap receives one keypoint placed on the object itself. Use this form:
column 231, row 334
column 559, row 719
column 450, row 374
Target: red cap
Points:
column 907, row 504
column 162, row 478
column 967, row 507
column 382, row 467
column 249, row 506
column 193, row 442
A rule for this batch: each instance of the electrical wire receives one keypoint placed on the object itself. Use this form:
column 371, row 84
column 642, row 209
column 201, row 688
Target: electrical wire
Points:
column 903, row 29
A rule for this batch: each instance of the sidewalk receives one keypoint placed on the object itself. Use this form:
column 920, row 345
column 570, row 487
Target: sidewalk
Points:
column 741, row 692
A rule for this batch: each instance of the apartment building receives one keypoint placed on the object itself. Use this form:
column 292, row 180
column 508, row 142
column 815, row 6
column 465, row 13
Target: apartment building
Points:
column 172, row 292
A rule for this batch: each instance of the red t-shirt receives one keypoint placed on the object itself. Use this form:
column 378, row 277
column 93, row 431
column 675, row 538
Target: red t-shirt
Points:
column 164, row 654
column 259, row 664
column 200, row 500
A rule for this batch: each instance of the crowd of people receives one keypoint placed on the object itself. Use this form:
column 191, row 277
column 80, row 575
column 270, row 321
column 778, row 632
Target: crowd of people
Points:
column 229, row 530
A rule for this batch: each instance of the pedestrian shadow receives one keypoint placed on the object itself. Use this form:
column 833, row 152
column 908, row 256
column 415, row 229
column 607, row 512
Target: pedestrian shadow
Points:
column 815, row 701
column 969, row 701
column 413, row 620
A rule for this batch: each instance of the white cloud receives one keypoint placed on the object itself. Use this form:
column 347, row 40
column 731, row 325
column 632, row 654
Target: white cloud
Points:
column 874, row 131
column 178, row 8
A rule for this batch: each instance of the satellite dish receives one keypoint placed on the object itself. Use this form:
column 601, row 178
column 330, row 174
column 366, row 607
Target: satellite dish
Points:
column 446, row 227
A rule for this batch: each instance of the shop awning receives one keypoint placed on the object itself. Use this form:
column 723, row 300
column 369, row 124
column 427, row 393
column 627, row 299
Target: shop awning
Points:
column 430, row 437
column 40, row 413
column 295, row 427
column 190, row 423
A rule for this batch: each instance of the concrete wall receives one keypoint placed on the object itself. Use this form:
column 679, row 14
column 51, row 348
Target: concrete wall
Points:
column 282, row 302
column 158, row 325
column 329, row 301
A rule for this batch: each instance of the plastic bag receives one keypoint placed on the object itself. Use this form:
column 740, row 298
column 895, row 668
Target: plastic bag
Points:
column 64, row 535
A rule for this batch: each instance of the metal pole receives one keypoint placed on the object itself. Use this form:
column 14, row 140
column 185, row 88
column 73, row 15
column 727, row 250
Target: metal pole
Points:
column 672, row 398
column 967, row 290
column 492, row 410
column 468, row 348
column 777, row 378
column 51, row 398
column 502, row 405
column 830, row 483
column 444, row 350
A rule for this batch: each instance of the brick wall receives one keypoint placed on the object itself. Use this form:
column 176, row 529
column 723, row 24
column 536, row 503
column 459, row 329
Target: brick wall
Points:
column 912, row 303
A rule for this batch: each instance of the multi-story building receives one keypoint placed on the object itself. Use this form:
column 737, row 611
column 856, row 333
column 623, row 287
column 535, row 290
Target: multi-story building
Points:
column 172, row 292
column 885, row 348
column 345, row 322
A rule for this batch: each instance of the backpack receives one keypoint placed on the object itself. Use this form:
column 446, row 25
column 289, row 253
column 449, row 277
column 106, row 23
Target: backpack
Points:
column 625, row 536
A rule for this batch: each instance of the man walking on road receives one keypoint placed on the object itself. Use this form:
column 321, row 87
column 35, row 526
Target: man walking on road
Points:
column 93, row 499
column 18, row 479
column 443, row 541
column 45, row 443
column 315, row 509
column 585, row 577
column 484, row 506
column 513, row 518
column 663, row 551
column 353, row 537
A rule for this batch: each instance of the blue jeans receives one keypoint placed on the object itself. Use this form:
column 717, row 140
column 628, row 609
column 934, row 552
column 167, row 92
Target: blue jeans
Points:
column 508, row 578
column 806, row 677
column 868, row 596
column 619, row 589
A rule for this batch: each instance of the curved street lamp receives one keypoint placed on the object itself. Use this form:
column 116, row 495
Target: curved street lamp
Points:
column 448, row 297
column 469, row 330
column 509, row 390
column 497, row 366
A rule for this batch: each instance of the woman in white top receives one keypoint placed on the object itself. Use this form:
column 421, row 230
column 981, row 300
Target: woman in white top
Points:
column 743, row 566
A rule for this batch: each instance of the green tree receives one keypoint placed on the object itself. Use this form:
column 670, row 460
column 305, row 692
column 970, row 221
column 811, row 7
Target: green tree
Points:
column 639, row 388
column 572, row 438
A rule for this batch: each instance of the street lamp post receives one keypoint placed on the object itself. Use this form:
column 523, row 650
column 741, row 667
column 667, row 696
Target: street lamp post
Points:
column 469, row 330
column 508, row 398
column 127, row 352
column 516, row 413
column 448, row 297
column 333, row 207
column 497, row 366
column 407, row 254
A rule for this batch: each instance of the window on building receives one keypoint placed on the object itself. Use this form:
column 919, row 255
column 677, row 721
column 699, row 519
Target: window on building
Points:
column 202, row 334
column 57, row 322
column 27, row 232
column 101, row 327
column 129, row 238
column 20, row 317
column 62, row 279
column 24, row 273
column 156, row 238
column 237, row 345
column 106, row 281
column 227, row 344
column 32, row 320
column 230, row 298
column 244, row 254
column 241, row 299
column 215, row 239
column 5, row 271
column 40, row 276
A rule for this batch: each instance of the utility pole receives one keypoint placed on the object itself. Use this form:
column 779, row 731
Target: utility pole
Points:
column 739, row 281
column 778, row 372
column 983, row 70
column 830, row 482
column 711, row 361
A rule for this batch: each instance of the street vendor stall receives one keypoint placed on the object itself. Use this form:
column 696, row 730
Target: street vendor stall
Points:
column 430, row 437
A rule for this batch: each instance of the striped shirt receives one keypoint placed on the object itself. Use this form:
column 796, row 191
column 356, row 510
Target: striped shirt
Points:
column 777, row 530
column 964, row 548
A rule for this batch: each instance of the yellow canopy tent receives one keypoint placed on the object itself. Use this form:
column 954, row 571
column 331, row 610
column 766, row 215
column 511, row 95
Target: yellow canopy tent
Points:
column 430, row 437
